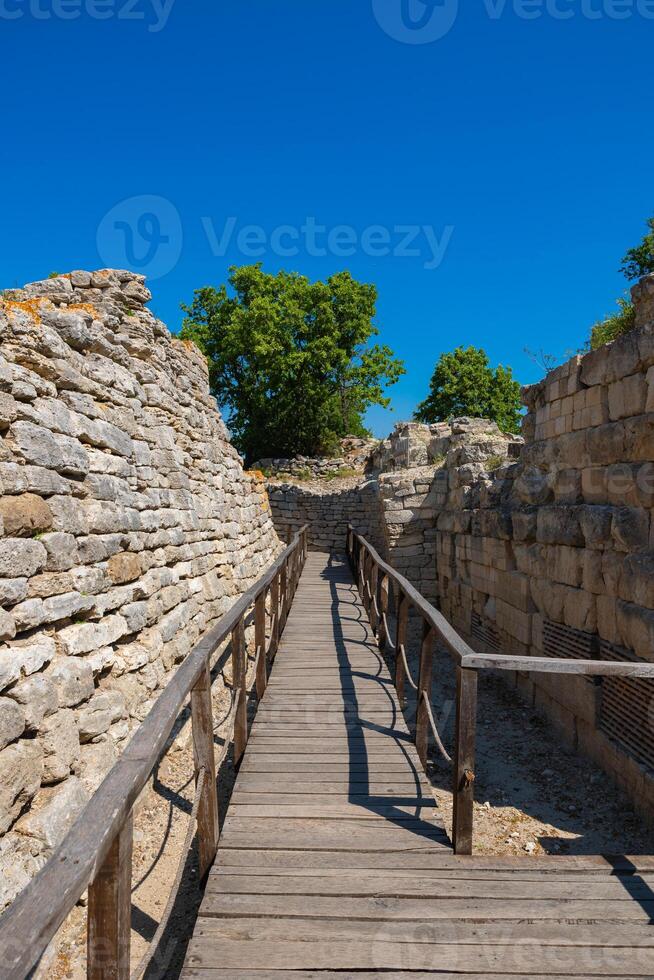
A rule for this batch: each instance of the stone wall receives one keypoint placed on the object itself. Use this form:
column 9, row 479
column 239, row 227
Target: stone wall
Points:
column 327, row 508
column 461, row 453
column 127, row 526
column 553, row 554
column 352, row 459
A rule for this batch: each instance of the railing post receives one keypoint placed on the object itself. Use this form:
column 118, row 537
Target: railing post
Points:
column 464, row 759
column 110, row 911
column 374, row 578
column 283, row 582
column 400, row 641
column 274, row 614
column 238, row 682
column 383, row 610
column 424, row 688
column 260, row 643
column 204, row 756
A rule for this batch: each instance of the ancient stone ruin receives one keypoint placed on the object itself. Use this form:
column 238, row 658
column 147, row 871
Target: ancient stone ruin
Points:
column 538, row 546
column 128, row 527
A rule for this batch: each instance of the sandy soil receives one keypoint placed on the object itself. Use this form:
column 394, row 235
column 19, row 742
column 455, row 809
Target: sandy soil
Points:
column 533, row 795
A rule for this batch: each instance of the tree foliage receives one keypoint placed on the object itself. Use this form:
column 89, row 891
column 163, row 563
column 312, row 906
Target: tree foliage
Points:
column 290, row 360
column 639, row 261
column 614, row 325
column 463, row 383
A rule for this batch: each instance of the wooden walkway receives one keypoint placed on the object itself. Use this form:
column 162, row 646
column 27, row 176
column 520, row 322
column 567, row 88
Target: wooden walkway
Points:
column 333, row 861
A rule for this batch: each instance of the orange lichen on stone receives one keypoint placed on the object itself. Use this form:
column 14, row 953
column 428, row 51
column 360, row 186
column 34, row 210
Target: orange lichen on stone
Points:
column 84, row 308
column 29, row 306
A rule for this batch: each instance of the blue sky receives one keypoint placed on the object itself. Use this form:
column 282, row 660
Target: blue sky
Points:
column 523, row 142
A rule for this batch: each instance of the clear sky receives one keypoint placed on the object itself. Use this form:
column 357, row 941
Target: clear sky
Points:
column 505, row 145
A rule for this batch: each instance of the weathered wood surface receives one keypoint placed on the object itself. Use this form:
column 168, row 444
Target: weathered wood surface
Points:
column 333, row 862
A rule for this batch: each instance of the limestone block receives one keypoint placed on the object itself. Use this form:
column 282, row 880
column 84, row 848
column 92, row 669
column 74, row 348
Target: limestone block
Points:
column 62, row 551
column 67, row 515
column 86, row 637
column 514, row 622
column 534, row 486
column 559, row 525
column 100, row 713
column 627, row 397
column 61, row 748
column 593, row 369
column 25, row 515
column 579, row 610
column 21, row 557
column 595, row 522
column 73, row 680
column 636, row 627
column 12, row 590
column 564, row 564
column 639, row 438
column 8, row 410
column 123, row 568
column 97, row 758
column 567, row 486
column 37, row 697
column 21, row 765
column 607, row 619
column 32, row 479
column 53, row 812
column 24, row 657
column 606, row 443
column 630, row 529
column 12, row 721
column 636, row 583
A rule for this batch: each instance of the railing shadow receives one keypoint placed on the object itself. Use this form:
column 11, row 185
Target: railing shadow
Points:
column 343, row 593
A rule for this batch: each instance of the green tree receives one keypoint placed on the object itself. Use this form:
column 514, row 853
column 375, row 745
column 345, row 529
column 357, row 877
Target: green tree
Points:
column 463, row 383
column 290, row 360
column 639, row 261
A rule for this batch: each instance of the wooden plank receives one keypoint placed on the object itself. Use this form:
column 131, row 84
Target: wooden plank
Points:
column 110, row 907
column 551, row 960
column 193, row 973
column 410, row 909
column 490, row 888
column 442, row 860
column 550, row 665
column 425, row 931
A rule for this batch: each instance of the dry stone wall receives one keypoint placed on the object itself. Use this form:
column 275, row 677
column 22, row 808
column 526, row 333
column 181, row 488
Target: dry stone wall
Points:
column 552, row 553
column 127, row 526
column 327, row 509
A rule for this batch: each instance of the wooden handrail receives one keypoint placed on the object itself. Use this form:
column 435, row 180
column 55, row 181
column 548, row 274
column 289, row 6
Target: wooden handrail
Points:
column 97, row 847
column 372, row 575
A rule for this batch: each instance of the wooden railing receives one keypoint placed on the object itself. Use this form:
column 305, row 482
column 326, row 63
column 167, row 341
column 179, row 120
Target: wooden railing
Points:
column 96, row 852
column 375, row 579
